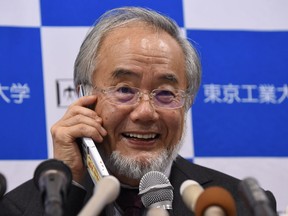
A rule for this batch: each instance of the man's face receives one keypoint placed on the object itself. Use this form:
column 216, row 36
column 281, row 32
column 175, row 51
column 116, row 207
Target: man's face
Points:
column 138, row 56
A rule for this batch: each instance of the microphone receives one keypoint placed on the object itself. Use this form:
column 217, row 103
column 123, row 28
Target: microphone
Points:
column 156, row 191
column 105, row 192
column 53, row 179
column 3, row 185
column 255, row 198
column 209, row 202
column 157, row 212
column 190, row 191
column 215, row 201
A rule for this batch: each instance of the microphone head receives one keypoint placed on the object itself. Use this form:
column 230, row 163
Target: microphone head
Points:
column 109, row 188
column 215, row 196
column 252, row 192
column 190, row 190
column 3, row 185
column 156, row 191
column 186, row 184
column 55, row 166
column 255, row 197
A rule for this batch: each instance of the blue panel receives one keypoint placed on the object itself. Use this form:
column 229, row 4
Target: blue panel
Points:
column 254, row 127
column 22, row 112
column 84, row 13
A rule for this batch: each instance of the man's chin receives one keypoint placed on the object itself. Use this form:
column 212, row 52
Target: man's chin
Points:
column 134, row 167
column 142, row 158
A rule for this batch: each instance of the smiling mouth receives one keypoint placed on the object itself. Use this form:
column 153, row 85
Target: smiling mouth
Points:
column 141, row 136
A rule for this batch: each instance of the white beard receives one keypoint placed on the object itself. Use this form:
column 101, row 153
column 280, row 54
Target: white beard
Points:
column 135, row 169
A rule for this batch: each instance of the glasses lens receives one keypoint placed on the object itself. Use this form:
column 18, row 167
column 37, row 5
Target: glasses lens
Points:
column 123, row 95
column 168, row 99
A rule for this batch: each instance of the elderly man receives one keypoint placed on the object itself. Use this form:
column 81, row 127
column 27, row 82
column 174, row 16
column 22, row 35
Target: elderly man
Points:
column 142, row 77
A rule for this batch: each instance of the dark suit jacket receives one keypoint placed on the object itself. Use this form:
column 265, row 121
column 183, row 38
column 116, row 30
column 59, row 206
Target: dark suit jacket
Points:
column 26, row 200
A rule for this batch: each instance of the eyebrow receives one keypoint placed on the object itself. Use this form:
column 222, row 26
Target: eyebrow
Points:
column 122, row 73
column 170, row 77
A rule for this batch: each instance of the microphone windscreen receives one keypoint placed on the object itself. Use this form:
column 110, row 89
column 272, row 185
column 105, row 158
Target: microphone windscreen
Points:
column 52, row 164
column 155, row 190
column 109, row 188
column 215, row 196
column 255, row 197
column 190, row 191
column 106, row 191
column 53, row 179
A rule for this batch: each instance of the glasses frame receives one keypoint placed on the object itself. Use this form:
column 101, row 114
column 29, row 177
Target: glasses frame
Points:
column 151, row 95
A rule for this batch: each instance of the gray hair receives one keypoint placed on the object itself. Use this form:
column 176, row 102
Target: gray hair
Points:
column 86, row 61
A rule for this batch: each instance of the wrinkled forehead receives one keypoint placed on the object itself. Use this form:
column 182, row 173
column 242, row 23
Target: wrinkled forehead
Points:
column 131, row 24
column 131, row 50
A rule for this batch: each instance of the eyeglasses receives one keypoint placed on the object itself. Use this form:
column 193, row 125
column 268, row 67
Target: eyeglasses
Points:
column 162, row 98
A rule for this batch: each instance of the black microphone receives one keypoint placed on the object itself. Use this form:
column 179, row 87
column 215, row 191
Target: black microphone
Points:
column 255, row 198
column 53, row 178
column 3, row 185
column 156, row 192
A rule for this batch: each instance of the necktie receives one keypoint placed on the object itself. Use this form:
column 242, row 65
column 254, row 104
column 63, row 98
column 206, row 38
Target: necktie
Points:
column 130, row 202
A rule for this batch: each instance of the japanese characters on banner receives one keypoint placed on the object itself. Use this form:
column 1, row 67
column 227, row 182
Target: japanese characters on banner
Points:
column 246, row 93
column 15, row 93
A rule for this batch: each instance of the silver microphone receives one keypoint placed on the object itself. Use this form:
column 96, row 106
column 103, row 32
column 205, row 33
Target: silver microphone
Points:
column 156, row 191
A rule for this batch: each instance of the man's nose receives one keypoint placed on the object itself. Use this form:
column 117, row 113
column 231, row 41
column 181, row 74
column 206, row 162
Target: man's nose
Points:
column 144, row 109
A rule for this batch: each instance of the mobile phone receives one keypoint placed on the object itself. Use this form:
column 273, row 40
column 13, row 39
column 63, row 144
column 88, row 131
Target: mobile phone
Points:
column 91, row 156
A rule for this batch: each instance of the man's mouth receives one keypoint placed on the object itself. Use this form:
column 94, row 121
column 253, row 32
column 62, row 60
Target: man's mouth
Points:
column 149, row 136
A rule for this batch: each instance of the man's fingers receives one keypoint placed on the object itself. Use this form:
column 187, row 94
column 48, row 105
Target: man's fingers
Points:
column 79, row 108
column 79, row 126
column 85, row 101
column 84, row 124
column 83, row 130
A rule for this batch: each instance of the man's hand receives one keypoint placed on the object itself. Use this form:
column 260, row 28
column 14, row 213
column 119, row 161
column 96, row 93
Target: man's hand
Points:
column 78, row 121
